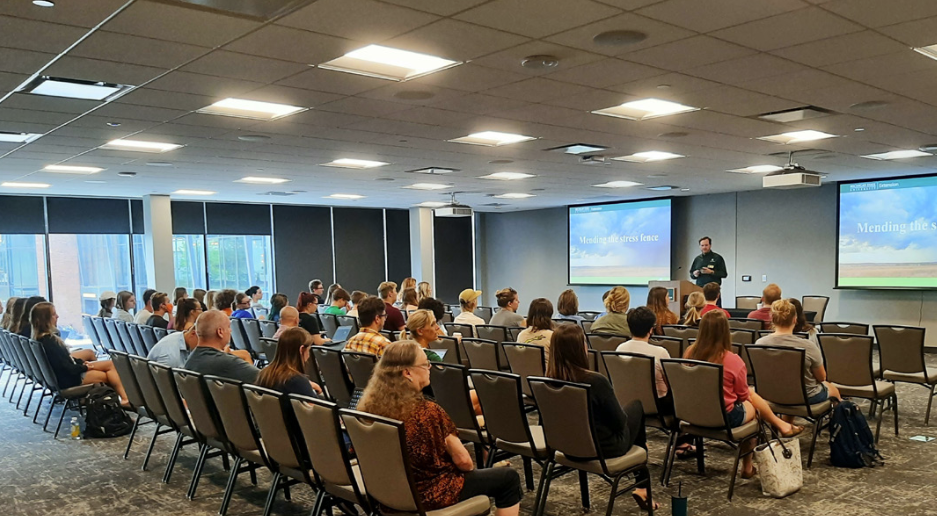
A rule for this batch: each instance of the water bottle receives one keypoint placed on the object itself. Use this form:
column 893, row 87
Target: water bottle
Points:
column 76, row 430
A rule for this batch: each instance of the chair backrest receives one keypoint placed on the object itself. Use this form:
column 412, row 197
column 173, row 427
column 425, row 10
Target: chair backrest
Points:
column 447, row 317
column 347, row 320
column 561, row 402
column 453, row 355
column 268, row 347
column 901, row 348
column 238, row 340
column 127, row 339
column 175, row 409
column 319, row 424
column 816, row 304
column 160, row 333
column 498, row 334
column 272, row 420
column 450, row 387
column 312, row 370
column 779, row 373
column 697, row 392
column 103, row 335
column 252, row 334
column 467, row 330
column 605, row 341
column 843, row 327
column 482, row 354
column 747, row 302
column 202, row 410
column 746, row 324
column 329, row 324
column 19, row 350
column 586, row 325
column 137, row 339
column 110, row 326
column 565, row 321
column 847, row 358
column 148, row 335
column 589, row 316
column 485, row 312
column 525, row 360
column 35, row 372
column 92, row 332
column 128, row 378
column 683, row 332
column 633, row 377
column 389, row 335
column 42, row 364
column 334, row 374
column 743, row 336
column 742, row 351
column 151, row 398
column 381, row 447
column 514, row 333
column 268, row 328
column 500, row 397
column 360, row 366
column 675, row 346
column 231, row 403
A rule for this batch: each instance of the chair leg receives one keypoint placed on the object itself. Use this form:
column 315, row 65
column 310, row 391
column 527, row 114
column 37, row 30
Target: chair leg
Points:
column 317, row 507
column 881, row 416
column 650, row 497
column 149, row 450
column 49, row 414
column 700, row 458
column 272, row 494
column 612, row 495
column 669, row 457
column 29, row 400
column 39, row 405
column 61, row 417
column 872, row 408
column 543, row 478
column 735, row 470
column 172, row 458
column 813, row 443
column 199, row 464
column 584, row 490
column 528, row 473
column 480, row 454
column 229, row 488
column 133, row 432
column 930, row 401
column 541, row 507
column 894, row 408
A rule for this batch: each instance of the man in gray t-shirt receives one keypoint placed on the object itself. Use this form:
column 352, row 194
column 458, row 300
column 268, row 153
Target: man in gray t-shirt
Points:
column 508, row 316
column 212, row 355
column 813, row 358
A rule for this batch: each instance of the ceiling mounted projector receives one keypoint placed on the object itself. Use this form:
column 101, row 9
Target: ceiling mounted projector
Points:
column 791, row 176
column 453, row 209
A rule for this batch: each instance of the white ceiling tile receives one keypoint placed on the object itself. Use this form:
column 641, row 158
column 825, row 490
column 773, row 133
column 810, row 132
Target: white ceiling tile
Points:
column 456, row 40
column 840, row 98
column 746, row 68
column 82, row 14
column 23, row 61
column 872, row 13
column 537, row 18
column 440, row 7
column 785, row 85
column 152, row 114
column 291, row 96
column 512, row 58
column 37, row 36
column 319, row 118
column 670, row 85
column 9, row 81
column 107, row 71
column 176, row 23
column 331, row 81
column 430, row 115
column 608, row 72
column 199, row 84
column 657, row 34
column 480, row 104
column 735, row 101
column 882, row 70
column 166, row 99
column 849, row 47
column 121, row 48
column 688, row 53
column 363, row 107
column 298, row 46
column 628, row 5
column 470, row 77
column 365, row 21
column 241, row 66
column 716, row 14
column 23, row 116
column 917, row 33
column 789, row 29
column 402, row 130
column 399, row 91
column 537, row 89
column 590, row 100
column 723, row 123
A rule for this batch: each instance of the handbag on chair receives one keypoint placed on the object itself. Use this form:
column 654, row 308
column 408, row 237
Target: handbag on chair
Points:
column 779, row 466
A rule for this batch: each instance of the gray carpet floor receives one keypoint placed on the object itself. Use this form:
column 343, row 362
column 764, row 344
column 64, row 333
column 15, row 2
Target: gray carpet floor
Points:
column 42, row 476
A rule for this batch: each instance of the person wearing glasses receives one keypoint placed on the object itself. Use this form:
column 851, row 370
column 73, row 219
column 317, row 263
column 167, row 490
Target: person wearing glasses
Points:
column 242, row 307
column 371, row 315
column 285, row 373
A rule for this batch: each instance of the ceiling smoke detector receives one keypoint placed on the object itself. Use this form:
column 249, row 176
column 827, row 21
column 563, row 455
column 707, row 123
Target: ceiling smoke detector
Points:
column 540, row 62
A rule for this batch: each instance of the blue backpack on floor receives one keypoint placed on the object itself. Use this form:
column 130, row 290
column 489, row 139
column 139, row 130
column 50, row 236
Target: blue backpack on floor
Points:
column 852, row 444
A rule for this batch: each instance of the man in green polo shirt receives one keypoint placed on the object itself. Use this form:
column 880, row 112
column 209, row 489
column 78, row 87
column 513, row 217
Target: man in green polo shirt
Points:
column 709, row 266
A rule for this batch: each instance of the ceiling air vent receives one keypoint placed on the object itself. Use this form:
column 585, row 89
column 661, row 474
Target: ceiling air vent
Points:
column 795, row 115
column 261, row 10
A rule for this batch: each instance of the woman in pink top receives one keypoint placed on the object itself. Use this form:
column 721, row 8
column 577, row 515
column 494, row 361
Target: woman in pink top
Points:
column 742, row 404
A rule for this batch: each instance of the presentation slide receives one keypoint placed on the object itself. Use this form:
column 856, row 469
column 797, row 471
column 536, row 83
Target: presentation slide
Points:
column 888, row 233
column 625, row 243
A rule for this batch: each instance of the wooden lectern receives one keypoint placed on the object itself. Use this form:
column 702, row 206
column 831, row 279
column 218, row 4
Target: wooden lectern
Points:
column 677, row 291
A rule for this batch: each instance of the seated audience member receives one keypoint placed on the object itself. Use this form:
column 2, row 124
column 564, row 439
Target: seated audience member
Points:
column 468, row 301
column 285, row 373
column 371, row 315
column 393, row 318
column 615, row 321
column 618, row 428
column 658, row 302
column 567, row 306
column 711, row 293
column 642, row 322
column 241, row 308
column 769, row 295
column 16, row 314
column 256, row 296
column 330, row 291
column 356, row 297
column 742, row 404
column 604, row 297
column 25, row 327
column 404, row 285
column 408, row 300
column 108, row 299
column 422, row 328
column 277, row 302
column 179, row 294
column 307, row 304
column 173, row 350
column 424, row 290
column 69, row 369
column 442, row 467
column 694, row 304
column 802, row 326
column 126, row 301
column 540, row 327
column 199, row 295
column 289, row 318
column 143, row 315
column 210, row 300
column 340, row 299
column 507, row 316
column 317, row 287
column 7, row 313
column 213, row 355
column 437, row 307
column 224, row 300
column 784, row 319
column 187, row 313
column 161, row 307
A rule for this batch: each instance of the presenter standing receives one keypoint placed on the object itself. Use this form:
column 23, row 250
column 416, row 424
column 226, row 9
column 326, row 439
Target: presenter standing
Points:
column 708, row 267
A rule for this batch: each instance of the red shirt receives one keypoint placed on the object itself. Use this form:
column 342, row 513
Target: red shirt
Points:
column 394, row 321
column 734, row 380
column 764, row 314
column 709, row 308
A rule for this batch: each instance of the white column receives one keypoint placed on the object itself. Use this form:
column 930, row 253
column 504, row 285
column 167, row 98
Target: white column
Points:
column 157, row 227
column 422, row 257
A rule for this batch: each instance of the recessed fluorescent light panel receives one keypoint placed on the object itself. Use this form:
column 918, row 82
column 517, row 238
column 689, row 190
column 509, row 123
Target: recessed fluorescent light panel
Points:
column 797, row 137
column 645, row 109
column 899, row 154
column 7, row 137
column 428, row 186
column 648, row 156
column 262, row 180
column 75, row 89
column 515, row 196
column 662, row 188
column 432, row 204
column 257, row 110
column 508, row 176
column 579, row 148
column 388, row 63
column 618, row 184
column 354, row 163
column 347, row 197
column 757, row 169
column 795, row 115
column 140, row 145
column 493, row 138
column 72, row 169
column 14, row 184
column 929, row 51
column 193, row 192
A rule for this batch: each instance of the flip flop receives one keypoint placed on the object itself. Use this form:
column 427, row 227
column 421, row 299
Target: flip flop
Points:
column 686, row 452
column 795, row 430
column 642, row 502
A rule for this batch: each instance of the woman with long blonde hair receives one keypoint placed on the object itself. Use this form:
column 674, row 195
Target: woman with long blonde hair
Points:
column 404, row 285
column 694, row 304
column 423, row 290
column 442, row 467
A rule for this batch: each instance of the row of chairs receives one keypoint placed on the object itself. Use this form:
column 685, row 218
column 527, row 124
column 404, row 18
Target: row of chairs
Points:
column 487, row 312
column 108, row 333
column 816, row 304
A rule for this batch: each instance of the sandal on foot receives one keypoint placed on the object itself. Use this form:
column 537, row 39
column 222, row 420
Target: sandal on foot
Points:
column 686, row 452
column 754, row 473
column 795, row 430
column 642, row 502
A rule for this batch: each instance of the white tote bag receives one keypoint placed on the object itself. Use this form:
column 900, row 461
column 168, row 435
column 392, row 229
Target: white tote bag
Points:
column 779, row 467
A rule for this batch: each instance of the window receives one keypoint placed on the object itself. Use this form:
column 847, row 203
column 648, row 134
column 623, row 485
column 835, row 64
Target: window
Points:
column 188, row 256
column 22, row 266
column 139, row 267
column 239, row 262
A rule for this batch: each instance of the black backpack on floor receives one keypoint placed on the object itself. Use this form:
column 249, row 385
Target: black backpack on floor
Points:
column 852, row 444
column 103, row 415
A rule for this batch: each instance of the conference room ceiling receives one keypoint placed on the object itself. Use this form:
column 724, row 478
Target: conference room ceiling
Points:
column 733, row 59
